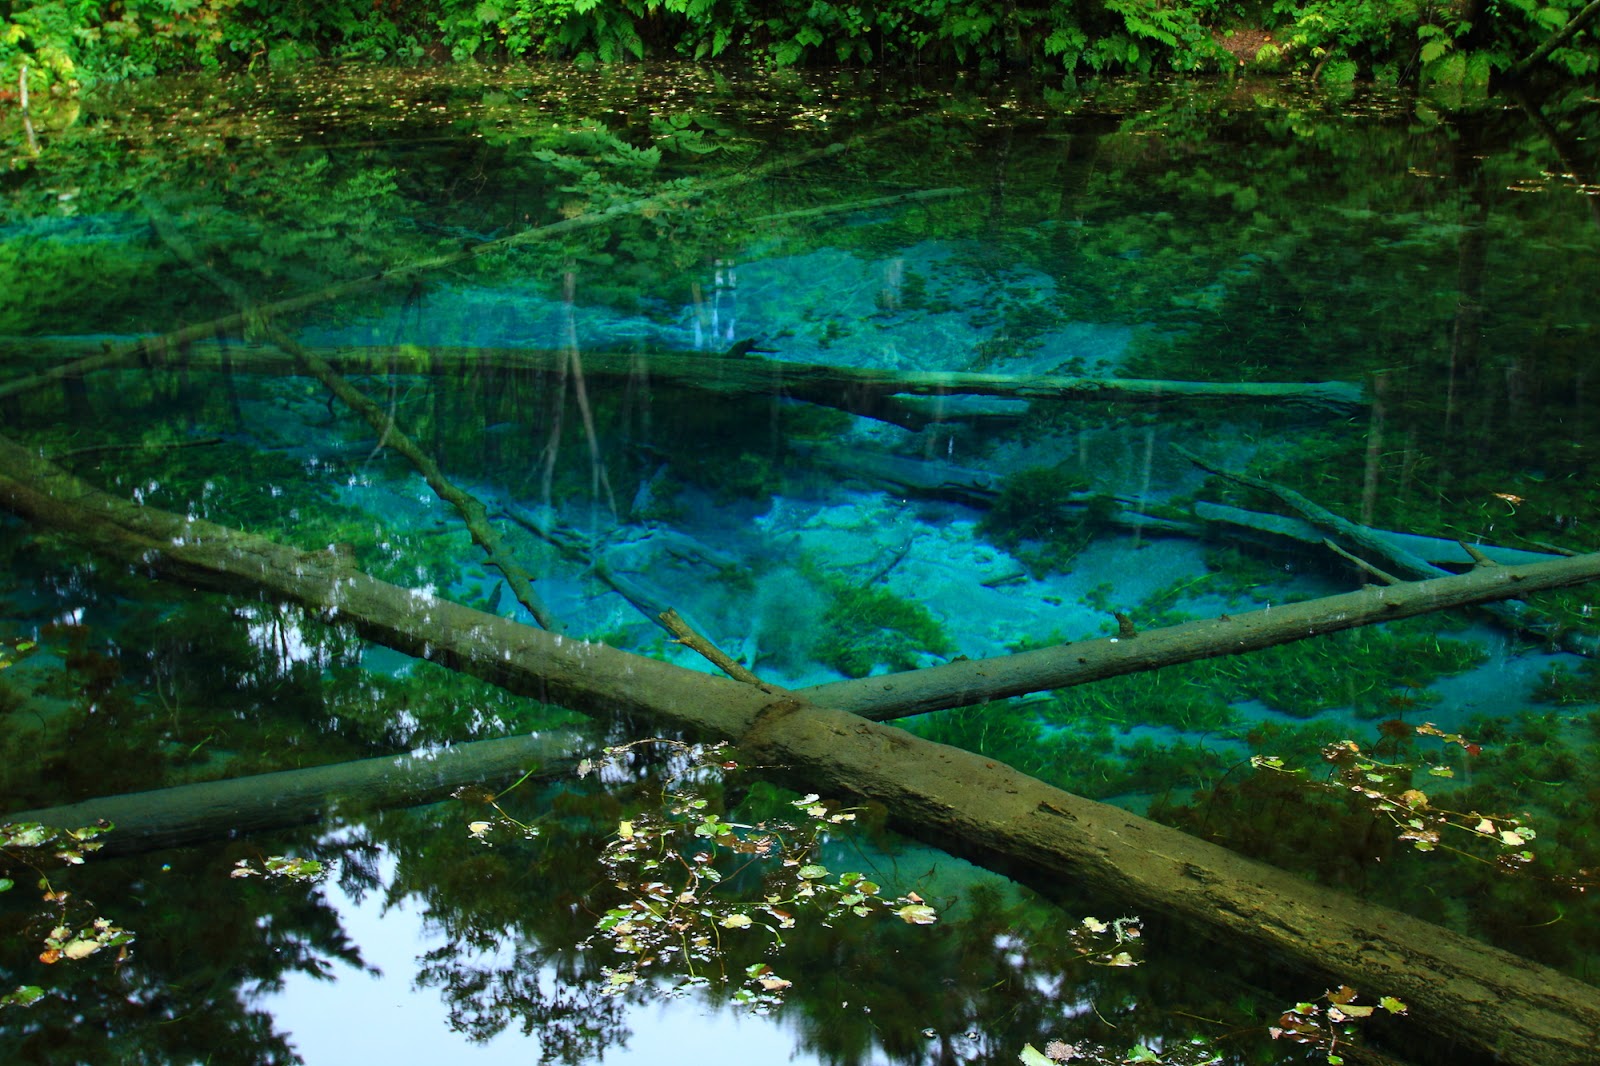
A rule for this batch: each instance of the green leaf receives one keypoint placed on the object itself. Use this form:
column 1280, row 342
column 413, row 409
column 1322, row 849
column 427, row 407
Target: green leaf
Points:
column 1392, row 1005
column 24, row 996
column 813, row 872
column 1031, row 1056
column 6, row 884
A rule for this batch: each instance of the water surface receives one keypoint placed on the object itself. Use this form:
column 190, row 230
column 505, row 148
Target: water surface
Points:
column 588, row 280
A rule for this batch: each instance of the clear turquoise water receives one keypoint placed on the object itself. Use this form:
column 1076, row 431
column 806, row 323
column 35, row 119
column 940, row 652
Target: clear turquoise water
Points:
column 1442, row 262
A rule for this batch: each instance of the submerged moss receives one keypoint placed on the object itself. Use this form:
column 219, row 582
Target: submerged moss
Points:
column 869, row 627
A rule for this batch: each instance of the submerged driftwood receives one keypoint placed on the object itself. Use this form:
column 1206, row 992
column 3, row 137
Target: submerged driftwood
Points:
column 1465, row 991
column 187, row 814
column 868, row 392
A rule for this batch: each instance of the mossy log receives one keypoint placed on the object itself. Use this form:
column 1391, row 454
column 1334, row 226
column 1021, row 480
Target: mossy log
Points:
column 188, row 814
column 868, row 392
column 1464, row 992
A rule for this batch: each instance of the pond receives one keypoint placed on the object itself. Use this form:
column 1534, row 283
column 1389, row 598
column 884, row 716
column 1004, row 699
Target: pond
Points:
column 858, row 377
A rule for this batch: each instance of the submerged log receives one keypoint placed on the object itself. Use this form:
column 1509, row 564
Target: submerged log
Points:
column 967, row 681
column 1463, row 991
column 188, row 814
column 868, row 392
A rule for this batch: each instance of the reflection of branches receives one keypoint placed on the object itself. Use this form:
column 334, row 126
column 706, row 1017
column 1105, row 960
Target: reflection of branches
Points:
column 574, row 1019
column 1569, row 164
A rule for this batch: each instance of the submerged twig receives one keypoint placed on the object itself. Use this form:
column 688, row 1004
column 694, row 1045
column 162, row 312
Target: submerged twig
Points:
column 157, row 347
column 686, row 635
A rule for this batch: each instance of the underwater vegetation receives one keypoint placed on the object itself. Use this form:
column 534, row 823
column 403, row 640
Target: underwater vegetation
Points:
column 1041, row 517
column 864, row 628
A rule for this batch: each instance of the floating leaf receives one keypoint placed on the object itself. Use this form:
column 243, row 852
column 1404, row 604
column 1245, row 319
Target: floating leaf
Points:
column 813, row 872
column 1392, row 1005
column 917, row 914
column 81, row 949
column 24, row 996
column 1032, row 1056
column 736, row 921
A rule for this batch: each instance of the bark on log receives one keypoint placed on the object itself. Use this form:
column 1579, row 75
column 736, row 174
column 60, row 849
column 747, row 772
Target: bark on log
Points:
column 187, row 814
column 1465, row 992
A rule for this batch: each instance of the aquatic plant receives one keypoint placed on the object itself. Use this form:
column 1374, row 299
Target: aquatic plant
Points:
column 864, row 628
column 1043, row 518
column 1389, row 790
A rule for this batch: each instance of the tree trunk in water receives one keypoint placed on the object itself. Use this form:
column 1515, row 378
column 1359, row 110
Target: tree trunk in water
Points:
column 870, row 393
column 187, row 814
column 1463, row 991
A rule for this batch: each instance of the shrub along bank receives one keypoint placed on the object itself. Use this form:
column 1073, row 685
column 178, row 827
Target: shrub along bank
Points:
column 63, row 44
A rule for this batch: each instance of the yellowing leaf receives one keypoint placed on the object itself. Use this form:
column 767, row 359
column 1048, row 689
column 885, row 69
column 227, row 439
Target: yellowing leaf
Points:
column 81, row 949
column 735, row 921
column 625, row 830
column 917, row 914
column 1508, row 837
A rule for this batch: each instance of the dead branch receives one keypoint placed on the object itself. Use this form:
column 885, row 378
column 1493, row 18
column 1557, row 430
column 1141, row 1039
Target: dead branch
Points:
column 687, row 636
column 472, row 512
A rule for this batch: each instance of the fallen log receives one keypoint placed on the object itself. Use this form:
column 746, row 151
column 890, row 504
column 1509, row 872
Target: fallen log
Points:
column 1463, row 991
column 868, row 392
column 968, row 681
column 1354, row 538
column 188, row 814
column 1436, row 550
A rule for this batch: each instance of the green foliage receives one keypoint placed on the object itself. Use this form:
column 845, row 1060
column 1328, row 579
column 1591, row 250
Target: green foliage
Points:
column 65, row 41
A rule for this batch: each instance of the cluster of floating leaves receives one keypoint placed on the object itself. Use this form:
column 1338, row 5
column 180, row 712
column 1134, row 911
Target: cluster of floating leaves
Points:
column 1327, row 1025
column 1389, row 790
column 284, row 866
column 690, row 881
column 68, row 940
